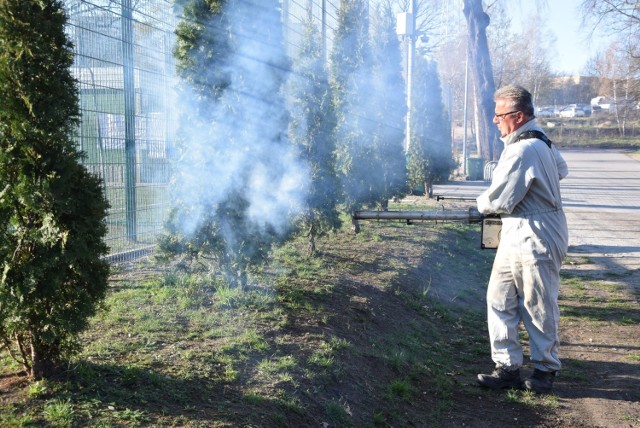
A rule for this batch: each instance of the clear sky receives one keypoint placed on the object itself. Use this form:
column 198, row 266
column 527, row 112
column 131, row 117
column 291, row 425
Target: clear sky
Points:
column 573, row 44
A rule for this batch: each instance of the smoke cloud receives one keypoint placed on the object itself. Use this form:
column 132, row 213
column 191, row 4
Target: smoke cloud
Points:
column 237, row 145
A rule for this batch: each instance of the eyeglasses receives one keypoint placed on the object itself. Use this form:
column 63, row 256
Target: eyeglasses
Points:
column 500, row 116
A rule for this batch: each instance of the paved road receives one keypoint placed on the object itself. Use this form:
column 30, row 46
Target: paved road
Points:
column 601, row 197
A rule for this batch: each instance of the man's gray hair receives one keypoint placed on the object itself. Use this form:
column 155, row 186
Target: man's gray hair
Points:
column 519, row 96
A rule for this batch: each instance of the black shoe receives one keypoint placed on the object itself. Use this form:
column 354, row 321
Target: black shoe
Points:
column 501, row 379
column 540, row 382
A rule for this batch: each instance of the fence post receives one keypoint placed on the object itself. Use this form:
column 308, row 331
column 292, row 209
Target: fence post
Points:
column 129, row 119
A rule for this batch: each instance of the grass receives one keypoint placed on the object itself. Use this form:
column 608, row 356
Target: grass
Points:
column 575, row 371
column 338, row 414
column 385, row 328
column 59, row 413
column 601, row 132
column 590, row 298
column 530, row 398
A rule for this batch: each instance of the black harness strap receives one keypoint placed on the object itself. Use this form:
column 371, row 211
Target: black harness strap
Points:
column 535, row 134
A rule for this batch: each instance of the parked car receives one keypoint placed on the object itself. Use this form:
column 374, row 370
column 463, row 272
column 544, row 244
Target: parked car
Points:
column 586, row 108
column 572, row 112
column 596, row 109
column 545, row 112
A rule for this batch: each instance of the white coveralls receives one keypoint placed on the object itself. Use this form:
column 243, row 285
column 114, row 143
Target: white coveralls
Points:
column 525, row 278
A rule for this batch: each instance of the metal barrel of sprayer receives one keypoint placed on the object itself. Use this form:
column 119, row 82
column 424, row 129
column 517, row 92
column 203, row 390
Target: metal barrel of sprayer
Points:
column 471, row 215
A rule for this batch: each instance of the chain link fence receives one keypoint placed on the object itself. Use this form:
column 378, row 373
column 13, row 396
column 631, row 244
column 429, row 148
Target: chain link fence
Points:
column 126, row 72
column 125, row 68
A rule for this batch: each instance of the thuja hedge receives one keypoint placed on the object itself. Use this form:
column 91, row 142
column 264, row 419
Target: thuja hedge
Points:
column 52, row 210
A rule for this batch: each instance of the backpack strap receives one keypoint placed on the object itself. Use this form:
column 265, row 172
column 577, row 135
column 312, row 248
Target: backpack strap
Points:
column 535, row 134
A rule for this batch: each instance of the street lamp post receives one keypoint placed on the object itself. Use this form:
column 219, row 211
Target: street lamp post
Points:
column 464, row 120
column 406, row 28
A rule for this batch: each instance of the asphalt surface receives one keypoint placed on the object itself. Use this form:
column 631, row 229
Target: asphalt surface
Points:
column 601, row 198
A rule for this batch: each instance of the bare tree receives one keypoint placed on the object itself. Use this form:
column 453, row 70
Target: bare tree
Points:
column 619, row 76
column 482, row 72
column 501, row 46
column 619, row 66
column 613, row 16
column 530, row 67
column 451, row 67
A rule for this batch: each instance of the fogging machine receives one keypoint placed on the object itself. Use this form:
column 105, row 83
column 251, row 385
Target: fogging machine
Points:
column 490, row 225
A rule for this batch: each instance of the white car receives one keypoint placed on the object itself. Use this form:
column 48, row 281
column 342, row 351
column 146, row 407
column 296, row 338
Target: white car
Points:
column 572, row 112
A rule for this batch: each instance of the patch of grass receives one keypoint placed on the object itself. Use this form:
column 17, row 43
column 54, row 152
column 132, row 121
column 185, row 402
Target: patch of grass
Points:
column 38, row 389
column 379, row 419
column 338, row 344
column 338, row 414
column 530, row 398
column 575, row 371
column 131, row 417
column 617, row 275
column 290, row 403
column 593, row 299
column 7, row 419
column 550, row 400
column 576, row 261
column 591, row 133
column 398, row 361
column 8, row 363
column 630, row 418
column 400, row 389
column 279, row 367
column 527, row 398
column 322, row 359
column 59, row 413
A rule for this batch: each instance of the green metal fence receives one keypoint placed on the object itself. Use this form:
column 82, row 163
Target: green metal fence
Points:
column 126, row 72
column 125, row 69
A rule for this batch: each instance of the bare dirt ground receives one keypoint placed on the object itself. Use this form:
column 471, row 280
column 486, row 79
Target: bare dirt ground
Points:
column 604, row 390
column 597, row 344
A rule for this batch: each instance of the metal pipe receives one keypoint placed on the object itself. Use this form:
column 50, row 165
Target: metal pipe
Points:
column 454, row 198
column 472, row 215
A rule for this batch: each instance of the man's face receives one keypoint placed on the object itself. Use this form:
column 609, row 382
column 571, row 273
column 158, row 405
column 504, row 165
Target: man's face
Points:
column 506, row 118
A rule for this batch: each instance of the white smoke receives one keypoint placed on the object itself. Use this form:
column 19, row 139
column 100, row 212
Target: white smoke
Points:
column 242, row 147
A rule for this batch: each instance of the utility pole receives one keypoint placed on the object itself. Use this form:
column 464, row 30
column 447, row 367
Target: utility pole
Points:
column 406, row 23
column 466, row 104
column 410, row 52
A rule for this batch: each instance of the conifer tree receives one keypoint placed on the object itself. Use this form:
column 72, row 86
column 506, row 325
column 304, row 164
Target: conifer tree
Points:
column 232, row 139
column 430, row 157
column 312, row 130
column 351, row 68
column 52, row 210
column 390, row 175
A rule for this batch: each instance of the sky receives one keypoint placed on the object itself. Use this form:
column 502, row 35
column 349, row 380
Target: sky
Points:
column 574, row 46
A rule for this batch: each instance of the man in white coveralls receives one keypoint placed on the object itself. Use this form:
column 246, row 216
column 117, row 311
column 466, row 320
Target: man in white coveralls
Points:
column 525, row 192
